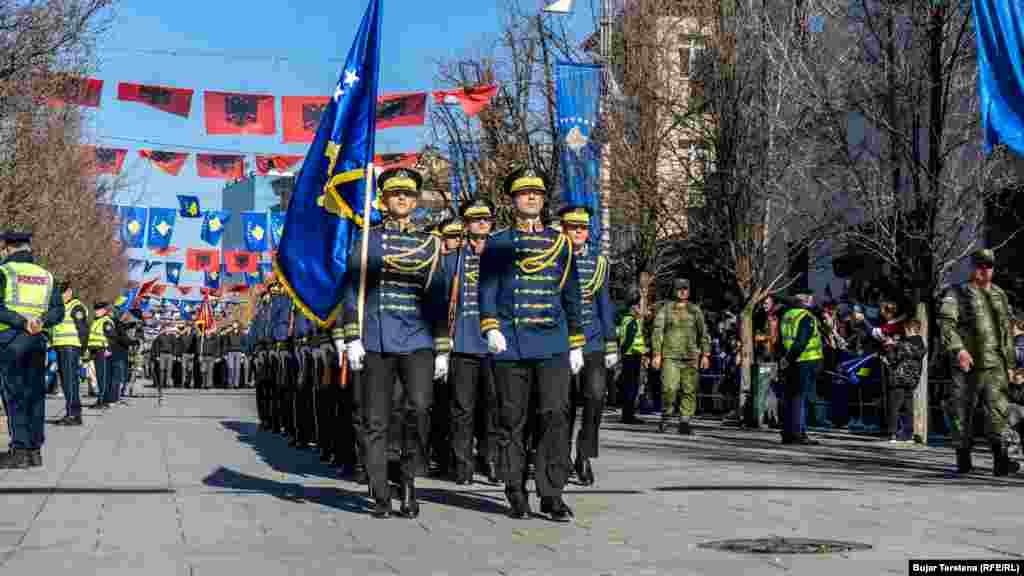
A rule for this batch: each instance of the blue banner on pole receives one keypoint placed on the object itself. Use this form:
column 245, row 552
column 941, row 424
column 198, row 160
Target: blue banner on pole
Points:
column 578, row 97
column 161, row 227
column 1000, row 34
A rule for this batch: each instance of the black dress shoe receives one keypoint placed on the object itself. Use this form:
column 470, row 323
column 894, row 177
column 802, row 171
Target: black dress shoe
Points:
column 685, row 429
column 359, row 475
column 587, row 478
column 14, row 459
column 382, row 508
column 35, row 458
column 410, row 507
column 519, row 506
column 72, row 420
column 807, row 441
column 556, row 509
column 963, row 461
column 492, row 472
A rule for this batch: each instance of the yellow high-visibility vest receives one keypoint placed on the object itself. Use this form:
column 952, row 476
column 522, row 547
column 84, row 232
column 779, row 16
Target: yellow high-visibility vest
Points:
column 97, row 337
column 791, row 324
column 66, row 333
column 639, row 347
column 27, row 289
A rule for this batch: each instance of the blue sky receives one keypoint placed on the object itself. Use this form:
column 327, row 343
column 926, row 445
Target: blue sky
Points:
column 270, row 47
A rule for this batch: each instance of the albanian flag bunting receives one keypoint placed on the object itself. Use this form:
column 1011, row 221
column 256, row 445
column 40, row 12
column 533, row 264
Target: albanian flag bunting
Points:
column 79, row 91
column 400, row 160
column 157, row 291
column 164, row 251
column 473, row 100
column 172, row 100
column 200, row 260
column 266, row 165
column 401, row 110
column 238, row 289
column 241, row 262
column 108, row 160
column 230, row 113
column 301, row 116
column 184, row 290
column 226, row 166
column 169, row 162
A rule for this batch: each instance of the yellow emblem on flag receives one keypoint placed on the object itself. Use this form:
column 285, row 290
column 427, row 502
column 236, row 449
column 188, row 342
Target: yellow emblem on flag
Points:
column 213, row 275
column 120, row 300
column 134, row 227
column 257, row 232
column 193, row 210
column 163, row 228
column 215, row 224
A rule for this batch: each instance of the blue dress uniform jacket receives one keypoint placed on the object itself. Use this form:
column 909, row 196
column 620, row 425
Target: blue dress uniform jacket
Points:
column 406, row 308
column 597, row 316
column 463, row 268
column 529, row 290
column 280, row 317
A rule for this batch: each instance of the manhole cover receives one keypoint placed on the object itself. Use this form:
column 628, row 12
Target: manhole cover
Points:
column 784, row 546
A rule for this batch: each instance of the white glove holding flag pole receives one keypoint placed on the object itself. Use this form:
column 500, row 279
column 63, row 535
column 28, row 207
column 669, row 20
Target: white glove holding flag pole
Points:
column 610, row 360
column 496, row 342
column 575, row 361
column 339, row 346
column 356, row 353
column 441, row 367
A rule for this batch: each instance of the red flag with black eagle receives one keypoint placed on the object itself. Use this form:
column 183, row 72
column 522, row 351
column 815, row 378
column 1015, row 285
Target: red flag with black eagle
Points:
column 108, row 160
column 241, row 262
column 232, row 113
column 473, row 99
column 301, row 116
column 227, row 166
column 176, row 101
column 184, row 290
column 265, row 164
column 169, row 162
column 80, row 91
column 200, row 260
column 400, row 160
column 238, row 289
column 401, row 110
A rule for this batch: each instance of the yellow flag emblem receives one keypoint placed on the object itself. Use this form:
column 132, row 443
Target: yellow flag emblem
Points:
column 215, row 225
column 163, row 228
column 257, row 232
column 213, row 275
column 134, row 227
column 193, row 209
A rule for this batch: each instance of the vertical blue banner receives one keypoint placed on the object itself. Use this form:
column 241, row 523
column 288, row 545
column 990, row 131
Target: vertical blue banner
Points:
column 578, row 97
column 133, row 226
column 255, row 226
column 1000, row 37
column 161, row 227
column 276, row 228
column 173, row 272
column 463, row 159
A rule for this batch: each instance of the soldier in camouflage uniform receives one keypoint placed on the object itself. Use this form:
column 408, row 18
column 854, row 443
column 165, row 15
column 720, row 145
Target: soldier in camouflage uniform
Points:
column 680, row 344
column 975, row 322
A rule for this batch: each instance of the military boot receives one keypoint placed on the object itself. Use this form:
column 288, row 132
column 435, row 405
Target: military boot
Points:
column 663, row 425
column 684, row 428
column 410, row 507
column 963, row 461
column 1001, row 463
column 15, row 459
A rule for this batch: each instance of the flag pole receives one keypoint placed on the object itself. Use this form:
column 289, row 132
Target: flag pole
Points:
column 365, row 245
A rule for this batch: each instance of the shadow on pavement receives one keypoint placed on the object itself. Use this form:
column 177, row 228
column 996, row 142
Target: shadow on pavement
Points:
column 749, row 488
column 82, row 490
column 333, row 497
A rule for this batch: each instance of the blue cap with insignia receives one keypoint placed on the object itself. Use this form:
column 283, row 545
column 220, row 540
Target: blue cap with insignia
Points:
column 400, row 179
column 16, row 237
column 523, row 179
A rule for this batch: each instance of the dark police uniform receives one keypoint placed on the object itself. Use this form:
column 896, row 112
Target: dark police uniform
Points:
column 529, row 292
column 598, row 320
column 281, row 360
column 26, row 292
column 302, row 385
column 404, row 324
column 260, row 328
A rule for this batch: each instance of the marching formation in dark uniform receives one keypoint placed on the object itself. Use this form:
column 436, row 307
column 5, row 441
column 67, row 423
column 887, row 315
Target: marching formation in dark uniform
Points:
column 472, row 351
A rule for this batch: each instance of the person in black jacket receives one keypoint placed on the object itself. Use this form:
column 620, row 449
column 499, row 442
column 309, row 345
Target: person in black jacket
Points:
column 163, row 351
column 120, row 344
column 234, row 344
column 210, row 352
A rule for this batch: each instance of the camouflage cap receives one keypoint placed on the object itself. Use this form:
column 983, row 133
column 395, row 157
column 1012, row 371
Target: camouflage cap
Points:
column 984, row 256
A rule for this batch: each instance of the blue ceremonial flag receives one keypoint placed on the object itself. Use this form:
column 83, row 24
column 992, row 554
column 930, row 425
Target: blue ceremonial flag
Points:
column 188, row 207
column 578, row 93
column 1000, row 32
column 134, row 265
column 133, row 225
column 184, row 310
column 255, row 226
column 327, row 202
column 461, row 175
column 276, row 229
column 213, row 226
column 173, row 272
column 211, row 280
column 253, row 278
column 161, row 227
column 150, row 265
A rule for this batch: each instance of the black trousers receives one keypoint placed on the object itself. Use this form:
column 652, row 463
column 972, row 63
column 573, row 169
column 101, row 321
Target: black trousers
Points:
column 629, row 384
column 588, row 390
column 287, row 386
column 440, row 425
column 472, row 410
column 303, row 419
column 545, row 382
column 325, row 399
column 68, row 361
column 899, row 398
column 261, row 369
column 378, row 391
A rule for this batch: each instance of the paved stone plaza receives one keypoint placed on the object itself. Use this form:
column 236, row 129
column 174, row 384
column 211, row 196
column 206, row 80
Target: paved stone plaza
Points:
column 191, row 487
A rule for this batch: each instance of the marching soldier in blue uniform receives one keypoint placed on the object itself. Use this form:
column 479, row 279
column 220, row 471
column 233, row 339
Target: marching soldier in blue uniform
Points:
column 324, row 366
column 282, row 368
column 601, row 350
column 29, row 304
column 472, row 378
column 530, row 316
column 450, row 232
column 403, row 328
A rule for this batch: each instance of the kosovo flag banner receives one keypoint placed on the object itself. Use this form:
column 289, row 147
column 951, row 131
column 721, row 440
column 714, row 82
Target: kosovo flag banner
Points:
column 213, row 226
column 577, row 95
column 276, row 228
column 1000, row 37
column 255, row 226
column 133, row 226
column 172, row 270
column 189, row 206
column 151, row 265
column 211, row 280
column 134, row 265
column 328, row 198
column 253, row 278
column 161, row 227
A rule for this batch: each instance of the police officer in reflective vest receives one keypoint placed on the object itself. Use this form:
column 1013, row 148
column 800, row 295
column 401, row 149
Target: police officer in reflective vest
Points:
column 69, row 338
column 530, row 316
column 601, row 351
column 100, row 332
column 404, row 327
column 631, row 342
column 29, row 304
column 802, row 356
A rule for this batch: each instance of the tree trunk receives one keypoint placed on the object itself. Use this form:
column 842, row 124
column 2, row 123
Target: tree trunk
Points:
column 747, row 404
column 921, row 392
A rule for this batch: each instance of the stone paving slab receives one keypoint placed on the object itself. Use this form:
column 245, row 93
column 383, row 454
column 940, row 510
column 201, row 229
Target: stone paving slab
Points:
column 191, row 487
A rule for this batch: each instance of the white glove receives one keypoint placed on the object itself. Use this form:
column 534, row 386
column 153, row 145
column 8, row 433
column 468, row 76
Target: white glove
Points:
column 339, row 346
column 440, row 367
column 496, row 342
column 356, row 353
column 610, row 360
column 575, row 361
